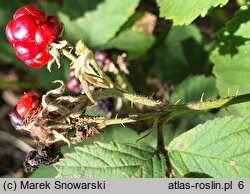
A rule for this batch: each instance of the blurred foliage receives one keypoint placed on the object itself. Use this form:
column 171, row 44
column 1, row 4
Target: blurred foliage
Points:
column 231, row 59
column 188, row 59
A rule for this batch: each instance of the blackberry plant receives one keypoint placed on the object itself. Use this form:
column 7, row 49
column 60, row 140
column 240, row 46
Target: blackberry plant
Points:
column 142, row 82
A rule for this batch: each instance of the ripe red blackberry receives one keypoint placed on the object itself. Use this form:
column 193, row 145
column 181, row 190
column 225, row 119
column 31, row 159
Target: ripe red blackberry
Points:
column 31, row 33
column 27, row 101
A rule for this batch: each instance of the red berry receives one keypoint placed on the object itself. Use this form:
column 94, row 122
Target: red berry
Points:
column 55, row 23
column 45, row 34
column 24, row 28
column 74, row 85
column 25, row 50
column 9, row 35
column 27, row 101
column 31, row 33
column 30, row 10
column 42, row 58
column 32, row 63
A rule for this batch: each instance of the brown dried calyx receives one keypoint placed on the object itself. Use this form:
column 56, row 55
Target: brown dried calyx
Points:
column 57, row 121
column 58, row 115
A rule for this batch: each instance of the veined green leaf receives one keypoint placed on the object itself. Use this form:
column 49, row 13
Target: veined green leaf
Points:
column 184, row 12
column 219, row 148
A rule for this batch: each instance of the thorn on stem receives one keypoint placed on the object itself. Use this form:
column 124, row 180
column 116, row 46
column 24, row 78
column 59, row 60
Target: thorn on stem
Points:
column 202, row 97
column 177, row 102
column 228, row 92
column 237, row 93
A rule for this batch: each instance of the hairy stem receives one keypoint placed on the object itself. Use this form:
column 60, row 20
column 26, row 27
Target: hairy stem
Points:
column 130, row 119
column 176, row 109
column 134, row 98
column 223, row 102
column 165, row 111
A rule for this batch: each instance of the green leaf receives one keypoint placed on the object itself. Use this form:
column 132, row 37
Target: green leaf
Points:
column 184, row 12
column 191, row 89
column 218, row 148
column 72, row 29
column 104, row 160
column 78, row 7
column 130, row 23
column 180, row 55
column 44, row 172
column 98, row 26
column 231, row 59
column 118, row 134
column 136, row 43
